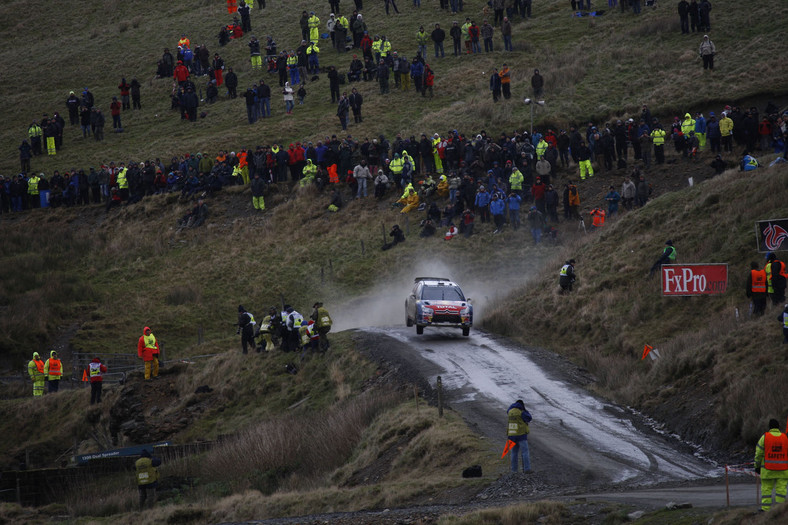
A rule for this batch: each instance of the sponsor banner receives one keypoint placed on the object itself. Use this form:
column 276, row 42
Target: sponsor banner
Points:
column 694, row 279
column 772, row 235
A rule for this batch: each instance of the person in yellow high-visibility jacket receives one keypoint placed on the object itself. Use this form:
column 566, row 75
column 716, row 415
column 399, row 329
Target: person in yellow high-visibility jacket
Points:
column 443, row 186
column 314, row 28
column 308, row 173
column 436, row 141
column 410, row 201
column 771, row 463
column 35, row 368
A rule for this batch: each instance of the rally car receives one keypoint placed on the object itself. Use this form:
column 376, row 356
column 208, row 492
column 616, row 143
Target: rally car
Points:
column 436, row 301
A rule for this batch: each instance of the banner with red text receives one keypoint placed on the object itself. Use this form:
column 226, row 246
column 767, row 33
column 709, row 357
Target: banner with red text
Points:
column 694, row 279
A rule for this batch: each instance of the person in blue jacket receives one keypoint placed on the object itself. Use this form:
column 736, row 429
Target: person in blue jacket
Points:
column 497, row 209
column 482, row 203
column 518, row 430
column 514, row 201
column 748, row 162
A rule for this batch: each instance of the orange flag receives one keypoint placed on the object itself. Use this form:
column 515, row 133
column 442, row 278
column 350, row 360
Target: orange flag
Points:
column 84, row 375
column 507, row 447
column 646, row 350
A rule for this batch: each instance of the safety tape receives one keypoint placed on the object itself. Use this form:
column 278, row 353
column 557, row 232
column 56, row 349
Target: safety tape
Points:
column 742, row 468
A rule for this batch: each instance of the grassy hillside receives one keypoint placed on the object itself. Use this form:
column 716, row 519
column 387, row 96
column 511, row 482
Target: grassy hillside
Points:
column 110, row 275
column 593, row 69
column 719, row 367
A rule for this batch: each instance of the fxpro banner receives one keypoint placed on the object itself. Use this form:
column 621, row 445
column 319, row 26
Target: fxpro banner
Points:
column 694, row 279
column 772, row 235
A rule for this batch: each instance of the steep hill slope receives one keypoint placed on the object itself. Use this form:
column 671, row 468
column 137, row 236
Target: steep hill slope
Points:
column 717, row 380
column 594, row 68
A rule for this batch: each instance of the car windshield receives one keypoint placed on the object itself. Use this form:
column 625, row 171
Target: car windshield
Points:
column 442, row 293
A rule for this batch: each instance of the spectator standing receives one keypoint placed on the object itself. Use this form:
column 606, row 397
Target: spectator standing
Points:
column 756, row 289
column 456, row 35
column 362, row 175
column 287, row 94
column 53, row 369
column 628, row 193
column 487, row 36
column 771, row 455
column 438, row 35
column 35, row 369
column 612, row 198
column 135, row 94
column 147, row 475
column 707, row 51
column 495, row 85
column 343, row 108
column 506, row 33
column 537, row 83
column 114, row 108
column 356, row 100
column 72, row 103
column 705, row 9
column 246, row 326
column 124, row 88
column 518, row 418
column 683, row 10
column 148, row 351
column 537, row 223
column 506, row 79
column 96, row 372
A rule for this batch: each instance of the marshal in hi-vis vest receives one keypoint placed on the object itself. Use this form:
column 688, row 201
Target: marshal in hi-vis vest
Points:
column 517, row 427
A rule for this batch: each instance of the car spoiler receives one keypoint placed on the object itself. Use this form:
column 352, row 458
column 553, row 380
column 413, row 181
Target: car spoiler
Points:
column 417, row 279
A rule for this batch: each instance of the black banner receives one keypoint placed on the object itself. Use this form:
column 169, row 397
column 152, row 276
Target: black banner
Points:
column 772, row 235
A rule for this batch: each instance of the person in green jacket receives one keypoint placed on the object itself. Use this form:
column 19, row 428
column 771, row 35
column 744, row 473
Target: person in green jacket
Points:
column 517, row 431
column 147, row 477
column 668, row 257
column 323, row 323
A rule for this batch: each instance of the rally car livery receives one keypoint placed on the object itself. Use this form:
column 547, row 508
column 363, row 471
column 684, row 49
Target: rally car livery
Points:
column 436, row 301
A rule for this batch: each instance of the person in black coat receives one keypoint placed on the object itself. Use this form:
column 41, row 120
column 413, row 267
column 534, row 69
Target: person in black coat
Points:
column 72, row 103
column 135, row 94
column 190, row 104
column 356, row 100
column 333, row 83
column 231, row 81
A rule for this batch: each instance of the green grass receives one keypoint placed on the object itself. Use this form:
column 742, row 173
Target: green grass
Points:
column 113, row 275
column 588, row 74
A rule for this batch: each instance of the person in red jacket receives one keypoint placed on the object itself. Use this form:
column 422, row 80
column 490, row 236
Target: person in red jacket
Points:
column 765, row 132
column 181, row 73
column 96, row 380
column 125, row 88
column 538, row 190
column 114, row 108
column 148, row 351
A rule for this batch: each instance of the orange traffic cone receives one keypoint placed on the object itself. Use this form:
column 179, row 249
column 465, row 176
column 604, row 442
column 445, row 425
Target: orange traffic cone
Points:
column 84, row 375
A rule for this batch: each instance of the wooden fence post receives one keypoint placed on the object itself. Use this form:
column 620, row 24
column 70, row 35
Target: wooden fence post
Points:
column 440, row 397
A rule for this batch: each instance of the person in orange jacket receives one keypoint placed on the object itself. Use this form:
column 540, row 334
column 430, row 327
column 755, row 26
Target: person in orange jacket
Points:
column 148, row 351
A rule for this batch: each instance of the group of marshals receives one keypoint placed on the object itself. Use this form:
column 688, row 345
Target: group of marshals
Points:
column 295, row 332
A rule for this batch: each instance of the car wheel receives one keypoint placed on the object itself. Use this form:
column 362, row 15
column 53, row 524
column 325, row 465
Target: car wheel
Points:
column 408, row 321
column 466, row 330
column 419, row 329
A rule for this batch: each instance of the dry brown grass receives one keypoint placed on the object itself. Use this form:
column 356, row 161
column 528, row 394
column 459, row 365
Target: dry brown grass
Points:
column 616, row 309
column 549, row 512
